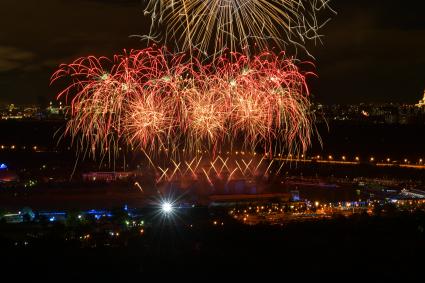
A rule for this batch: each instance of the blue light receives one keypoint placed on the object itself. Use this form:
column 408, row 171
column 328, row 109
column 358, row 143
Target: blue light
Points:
column 3, row 166
column 51, row 219
column 52, row 213
column 97, row 216
column 94, row 211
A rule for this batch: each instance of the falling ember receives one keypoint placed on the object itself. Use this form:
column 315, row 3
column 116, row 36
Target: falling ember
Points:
column 151, row 99
column 237, row 24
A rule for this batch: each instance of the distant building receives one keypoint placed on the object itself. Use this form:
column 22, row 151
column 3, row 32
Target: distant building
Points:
column 413, row 193
column 55, row 109
column 295, row 195
column 7, row 176
column 25, row 214
column 235, row 199
column 106, row 176
column 13, row 218
column 421, row 102
column 31, row 112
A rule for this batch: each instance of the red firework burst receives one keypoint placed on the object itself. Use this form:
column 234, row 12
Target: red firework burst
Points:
column 152, row 99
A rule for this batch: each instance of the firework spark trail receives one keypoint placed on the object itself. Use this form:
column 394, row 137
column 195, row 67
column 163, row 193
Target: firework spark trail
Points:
column 208, row 177
column 259, row 163
column 152, row 100
column 238, row 24
column 163, row 175
column 280, row 168
column 189, row 167
column 247, row 166
column 208, row 171
column 231, row 175
column 213, row 167
column 139, row 187
column 224, row 162
column 97, row 99
column 176, row 168
column 268, row 167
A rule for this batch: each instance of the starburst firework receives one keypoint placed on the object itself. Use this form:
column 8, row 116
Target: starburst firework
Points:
column 236, row 24
column 152, row 99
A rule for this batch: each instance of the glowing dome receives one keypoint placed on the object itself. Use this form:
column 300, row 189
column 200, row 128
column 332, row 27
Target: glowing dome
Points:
column 8, row 176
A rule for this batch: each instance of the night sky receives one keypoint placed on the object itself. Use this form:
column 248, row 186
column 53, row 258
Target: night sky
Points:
column 373, row 50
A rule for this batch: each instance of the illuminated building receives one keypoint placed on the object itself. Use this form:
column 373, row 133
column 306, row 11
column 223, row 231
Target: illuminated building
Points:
column 106, row 176
column 295, row 195
column 421, row 102
column 7, row 176
column 235, row 199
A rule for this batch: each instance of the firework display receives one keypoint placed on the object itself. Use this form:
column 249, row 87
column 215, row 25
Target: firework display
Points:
column 237, row 24
column 223, row 167
column 154, row 100
column 242, row 95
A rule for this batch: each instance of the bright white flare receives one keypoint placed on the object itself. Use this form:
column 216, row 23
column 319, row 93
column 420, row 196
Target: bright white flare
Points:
column 166, row 207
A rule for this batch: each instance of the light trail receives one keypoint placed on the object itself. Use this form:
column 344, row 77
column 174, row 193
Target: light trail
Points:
column 237, row 24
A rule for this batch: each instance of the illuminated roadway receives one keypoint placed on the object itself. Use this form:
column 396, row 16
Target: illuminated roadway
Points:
column 340, row 162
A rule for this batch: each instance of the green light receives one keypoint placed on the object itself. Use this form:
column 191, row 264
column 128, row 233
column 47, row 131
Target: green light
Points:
column 105, row 76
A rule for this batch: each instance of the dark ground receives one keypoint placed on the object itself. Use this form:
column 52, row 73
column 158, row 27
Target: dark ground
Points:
column 388, row 247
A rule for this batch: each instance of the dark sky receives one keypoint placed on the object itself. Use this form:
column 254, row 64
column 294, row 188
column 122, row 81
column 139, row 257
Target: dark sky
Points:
column 373, row 50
